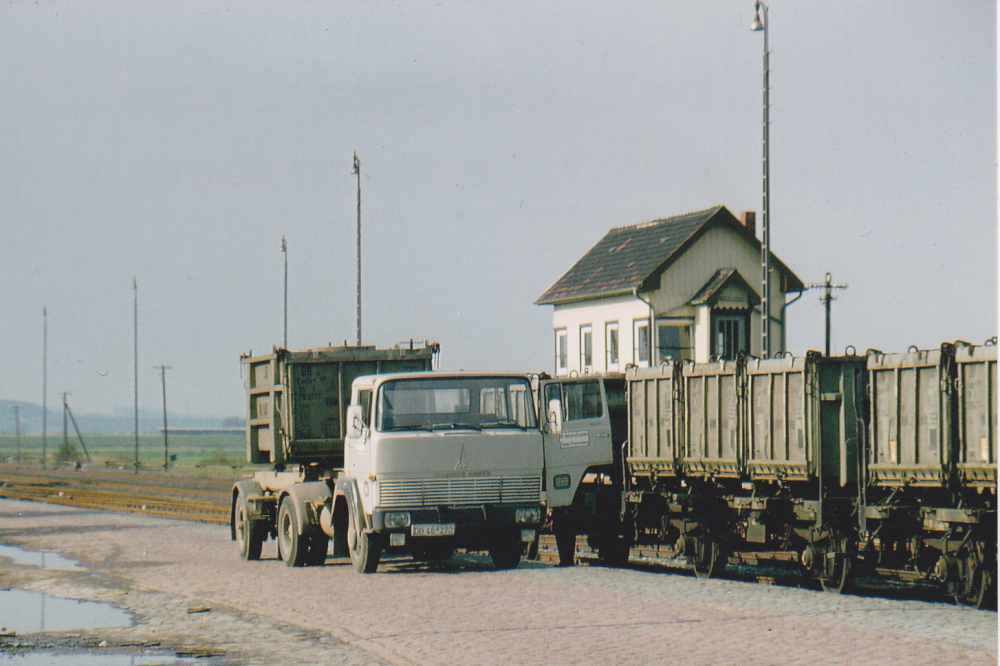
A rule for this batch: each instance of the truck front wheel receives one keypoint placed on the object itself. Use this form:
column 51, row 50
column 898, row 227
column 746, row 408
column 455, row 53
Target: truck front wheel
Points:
column 365, row 550
column 292, row 546
column 506, row 550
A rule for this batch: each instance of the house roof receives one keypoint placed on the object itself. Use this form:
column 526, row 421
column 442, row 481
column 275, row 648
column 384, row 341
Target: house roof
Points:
column 723, row 278
column 634, row 257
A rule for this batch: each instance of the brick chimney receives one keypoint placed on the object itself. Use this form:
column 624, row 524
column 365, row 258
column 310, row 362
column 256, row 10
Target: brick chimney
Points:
column 749, row 220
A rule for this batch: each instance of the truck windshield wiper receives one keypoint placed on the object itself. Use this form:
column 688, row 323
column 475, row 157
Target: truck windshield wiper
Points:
column 407, row 427
column 454, row 426
column 503, row 424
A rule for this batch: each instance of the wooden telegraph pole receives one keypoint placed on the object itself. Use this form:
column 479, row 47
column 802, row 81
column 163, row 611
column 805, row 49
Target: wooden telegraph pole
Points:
column 826, row 298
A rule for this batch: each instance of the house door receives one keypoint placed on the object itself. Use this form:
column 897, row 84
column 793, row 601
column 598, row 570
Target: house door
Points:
column 730, row 335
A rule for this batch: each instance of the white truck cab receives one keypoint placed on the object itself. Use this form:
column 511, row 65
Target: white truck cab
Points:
column 438, row 461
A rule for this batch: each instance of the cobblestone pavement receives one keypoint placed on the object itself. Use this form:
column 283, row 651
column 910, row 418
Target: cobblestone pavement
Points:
column 192, row 594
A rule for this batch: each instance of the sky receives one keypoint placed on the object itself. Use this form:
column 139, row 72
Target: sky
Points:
column 176, row 143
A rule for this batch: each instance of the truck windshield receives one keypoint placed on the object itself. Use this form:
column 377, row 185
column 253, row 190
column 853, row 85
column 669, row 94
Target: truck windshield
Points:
column 456, row 403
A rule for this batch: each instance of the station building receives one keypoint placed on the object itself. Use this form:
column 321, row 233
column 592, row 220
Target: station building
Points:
column 685, row 287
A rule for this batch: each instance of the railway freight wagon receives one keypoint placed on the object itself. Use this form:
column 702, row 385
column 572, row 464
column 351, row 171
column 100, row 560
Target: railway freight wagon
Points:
column 366, row 448
column 928, row 510
column 751, row 455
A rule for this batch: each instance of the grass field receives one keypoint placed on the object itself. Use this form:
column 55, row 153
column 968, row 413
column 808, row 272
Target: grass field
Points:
column 185, row 451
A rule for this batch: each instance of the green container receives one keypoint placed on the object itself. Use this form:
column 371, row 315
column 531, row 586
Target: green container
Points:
column 297, row 401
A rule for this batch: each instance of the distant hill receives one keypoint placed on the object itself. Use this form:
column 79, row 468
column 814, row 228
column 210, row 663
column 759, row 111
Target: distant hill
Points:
column 150, row 421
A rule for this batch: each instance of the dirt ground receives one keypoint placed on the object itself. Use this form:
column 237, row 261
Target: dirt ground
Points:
column 192, row 597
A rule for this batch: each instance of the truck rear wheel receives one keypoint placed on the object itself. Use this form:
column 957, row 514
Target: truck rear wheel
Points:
column 292, row 546
column 319, row 546
column 365, row 549
column 250, row 534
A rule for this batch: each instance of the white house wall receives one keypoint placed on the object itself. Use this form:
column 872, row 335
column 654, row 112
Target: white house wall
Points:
column 719, row 247
column 598, row 313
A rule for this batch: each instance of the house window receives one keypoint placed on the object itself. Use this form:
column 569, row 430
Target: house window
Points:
column 562, row 352
column 640, row 342
column 611, row 344
column 673, row 340
column 730, row 335
column 586, row 348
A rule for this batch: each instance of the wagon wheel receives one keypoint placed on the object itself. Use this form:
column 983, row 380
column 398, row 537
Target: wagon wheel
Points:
column 708, row 559
column 250, row 534
column 837, row 572
column 974, row 588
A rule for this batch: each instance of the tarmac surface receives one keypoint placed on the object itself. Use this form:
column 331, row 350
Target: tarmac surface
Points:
column 192, row 598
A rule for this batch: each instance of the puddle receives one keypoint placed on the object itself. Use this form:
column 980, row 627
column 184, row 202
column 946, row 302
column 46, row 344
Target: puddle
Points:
column 25, row 612
column 84, row 659
column 43, row 560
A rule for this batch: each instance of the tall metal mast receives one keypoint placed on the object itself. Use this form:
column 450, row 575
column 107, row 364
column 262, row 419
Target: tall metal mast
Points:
column 357, row 170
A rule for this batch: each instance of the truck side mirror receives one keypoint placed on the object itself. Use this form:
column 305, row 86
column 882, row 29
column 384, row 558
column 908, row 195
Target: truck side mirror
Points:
column 554, row 416
column 355, row 424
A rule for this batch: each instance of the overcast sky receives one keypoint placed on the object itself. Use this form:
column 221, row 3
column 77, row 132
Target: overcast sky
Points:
column 177, row 142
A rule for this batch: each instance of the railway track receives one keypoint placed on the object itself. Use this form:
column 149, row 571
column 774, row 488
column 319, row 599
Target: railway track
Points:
column 163, row 494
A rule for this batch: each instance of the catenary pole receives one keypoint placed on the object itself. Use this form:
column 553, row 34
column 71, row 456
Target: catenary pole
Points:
column 765, row 249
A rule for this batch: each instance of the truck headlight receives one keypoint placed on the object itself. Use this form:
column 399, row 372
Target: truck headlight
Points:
column 528, row 516
column 397, row 519
column 561, row 481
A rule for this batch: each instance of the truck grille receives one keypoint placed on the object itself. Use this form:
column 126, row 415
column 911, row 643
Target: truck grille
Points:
column 432, row 492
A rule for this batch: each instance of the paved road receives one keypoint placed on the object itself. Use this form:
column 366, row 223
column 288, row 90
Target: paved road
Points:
column 191, row 592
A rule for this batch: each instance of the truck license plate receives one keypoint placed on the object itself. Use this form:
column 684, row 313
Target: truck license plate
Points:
column 447, row 529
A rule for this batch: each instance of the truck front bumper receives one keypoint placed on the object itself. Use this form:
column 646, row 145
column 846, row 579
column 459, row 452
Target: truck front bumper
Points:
column 468, row 526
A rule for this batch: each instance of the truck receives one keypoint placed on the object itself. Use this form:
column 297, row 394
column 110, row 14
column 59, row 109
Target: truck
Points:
column 370, row 450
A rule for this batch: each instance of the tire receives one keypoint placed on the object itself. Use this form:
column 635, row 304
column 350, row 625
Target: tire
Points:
column 250, row 534
column 365, row 549
column 506, row 552
column 293, row 547
column 565, row 546
column 319, row 546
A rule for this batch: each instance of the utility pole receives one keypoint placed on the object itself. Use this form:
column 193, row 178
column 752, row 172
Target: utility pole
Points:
column 17, row 430
column 825, row 298
column 79, row 436
column 163, row 375
column 357, row 170
column 65, row 444
column 45, row 381
column 284, row 251
column 135, row 329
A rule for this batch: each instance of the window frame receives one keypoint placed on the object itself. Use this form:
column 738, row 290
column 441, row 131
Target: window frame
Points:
column 637, row 348
column 586, row 348
column 612, row 363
